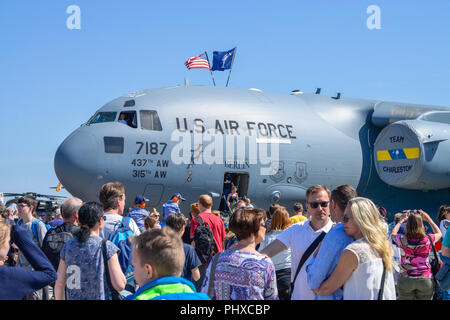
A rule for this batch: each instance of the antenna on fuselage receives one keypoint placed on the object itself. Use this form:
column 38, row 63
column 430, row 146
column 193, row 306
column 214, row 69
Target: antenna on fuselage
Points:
column 338, row 96
column 296, row 92
column 186, row 82
column 318, row 90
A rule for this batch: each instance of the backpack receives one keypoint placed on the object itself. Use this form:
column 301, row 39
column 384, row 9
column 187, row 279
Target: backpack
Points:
column 34, row 227
column 35, row 223
column 53, row 243
column 121, row 238
column 204, row 241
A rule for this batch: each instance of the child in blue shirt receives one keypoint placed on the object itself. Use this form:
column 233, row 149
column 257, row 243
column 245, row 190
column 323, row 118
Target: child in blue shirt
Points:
column 158, row 260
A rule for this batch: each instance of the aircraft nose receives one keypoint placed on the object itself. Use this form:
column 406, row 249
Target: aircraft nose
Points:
column 76, row 162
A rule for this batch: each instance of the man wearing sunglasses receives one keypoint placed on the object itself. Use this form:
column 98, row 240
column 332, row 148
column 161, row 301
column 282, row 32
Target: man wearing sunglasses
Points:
column 323, row 263
column 300, row 236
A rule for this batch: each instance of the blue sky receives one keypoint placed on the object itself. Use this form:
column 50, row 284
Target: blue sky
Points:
column 52, row 79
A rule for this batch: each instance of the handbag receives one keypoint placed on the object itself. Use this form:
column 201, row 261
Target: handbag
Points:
column 305, row 257
column 435, row 263
column 115, row 295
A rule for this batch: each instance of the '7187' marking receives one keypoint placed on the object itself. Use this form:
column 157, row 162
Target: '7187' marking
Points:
column 151, row 148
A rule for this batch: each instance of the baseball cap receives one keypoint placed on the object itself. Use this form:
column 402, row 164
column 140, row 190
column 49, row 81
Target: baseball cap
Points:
column 140, row 199
column 179, row 196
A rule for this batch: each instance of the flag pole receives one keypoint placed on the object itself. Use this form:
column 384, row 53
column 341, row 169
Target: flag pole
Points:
column 210, row 68
column 229, row 73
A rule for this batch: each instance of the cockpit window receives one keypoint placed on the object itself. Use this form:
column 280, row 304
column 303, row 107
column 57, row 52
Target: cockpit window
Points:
column 100, row 117
column 129, row 118
column 150, row 120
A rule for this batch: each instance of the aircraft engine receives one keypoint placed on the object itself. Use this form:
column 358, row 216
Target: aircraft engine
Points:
column 414, row 154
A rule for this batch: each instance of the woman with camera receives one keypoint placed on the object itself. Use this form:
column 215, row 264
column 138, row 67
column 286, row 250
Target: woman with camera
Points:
column 17, row 282
column 416, row 279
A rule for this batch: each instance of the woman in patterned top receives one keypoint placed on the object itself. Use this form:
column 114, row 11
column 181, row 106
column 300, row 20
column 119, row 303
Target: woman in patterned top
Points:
column 416, row 279
column 81, row 272
column 242, row 273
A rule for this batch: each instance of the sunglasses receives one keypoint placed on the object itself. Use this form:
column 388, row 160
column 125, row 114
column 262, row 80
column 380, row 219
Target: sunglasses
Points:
column 323, row 204
column 345, row 218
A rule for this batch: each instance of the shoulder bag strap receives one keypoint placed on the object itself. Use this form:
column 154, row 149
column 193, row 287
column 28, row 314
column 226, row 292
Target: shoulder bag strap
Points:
column 126, row 219
column 122, row 222
column 380, row 293
column 432, row 246
column 34, row 228
column 211, row 275
column 305, row 257
column 436, row 257
column 114, row 293
column 200, row 221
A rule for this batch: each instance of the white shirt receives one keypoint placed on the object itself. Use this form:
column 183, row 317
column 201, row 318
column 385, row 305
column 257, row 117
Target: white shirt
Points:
column 281, row 260
column 298, row 237
column 112, row 222
column 364, row 283
column 443, row 226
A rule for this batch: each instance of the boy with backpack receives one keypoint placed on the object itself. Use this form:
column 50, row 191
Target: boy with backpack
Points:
column 117, row 228
column 26, row 207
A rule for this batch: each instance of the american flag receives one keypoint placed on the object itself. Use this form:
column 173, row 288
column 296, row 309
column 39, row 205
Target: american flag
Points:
column 197, row 62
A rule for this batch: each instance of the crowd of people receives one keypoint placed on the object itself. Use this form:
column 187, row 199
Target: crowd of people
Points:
column 336, row 246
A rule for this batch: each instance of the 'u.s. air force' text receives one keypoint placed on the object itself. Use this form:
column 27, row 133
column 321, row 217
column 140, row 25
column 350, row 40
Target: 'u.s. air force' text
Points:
column 232, row 127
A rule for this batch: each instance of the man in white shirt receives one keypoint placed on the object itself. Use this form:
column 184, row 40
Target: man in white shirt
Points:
column 112, row 196
column 299, row 237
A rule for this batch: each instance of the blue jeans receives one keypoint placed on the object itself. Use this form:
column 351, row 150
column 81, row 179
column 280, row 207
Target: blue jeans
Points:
column 445, row 293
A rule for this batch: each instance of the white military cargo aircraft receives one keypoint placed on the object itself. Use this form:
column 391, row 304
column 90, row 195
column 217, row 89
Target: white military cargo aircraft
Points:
column 188, row 138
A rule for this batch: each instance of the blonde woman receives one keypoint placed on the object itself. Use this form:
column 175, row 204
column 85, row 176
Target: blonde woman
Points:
column 361, row 265
column 282, row 261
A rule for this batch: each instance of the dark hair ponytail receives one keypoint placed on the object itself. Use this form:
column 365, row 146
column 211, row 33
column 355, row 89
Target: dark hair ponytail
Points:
column 89, row 214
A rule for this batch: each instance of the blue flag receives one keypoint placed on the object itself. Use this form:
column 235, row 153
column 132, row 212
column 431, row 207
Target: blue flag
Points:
column 222, row 60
